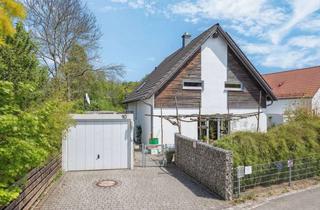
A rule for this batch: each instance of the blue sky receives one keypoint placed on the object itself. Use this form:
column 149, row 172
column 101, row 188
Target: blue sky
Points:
column 275, row 35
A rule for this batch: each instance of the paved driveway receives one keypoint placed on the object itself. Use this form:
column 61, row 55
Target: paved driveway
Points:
column 141, row 188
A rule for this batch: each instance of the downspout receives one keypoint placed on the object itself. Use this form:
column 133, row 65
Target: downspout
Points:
column 151, row 117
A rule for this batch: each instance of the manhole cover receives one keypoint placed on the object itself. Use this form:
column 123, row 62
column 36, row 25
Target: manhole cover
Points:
column 107, row 183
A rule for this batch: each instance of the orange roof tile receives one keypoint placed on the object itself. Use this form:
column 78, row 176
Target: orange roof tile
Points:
column 295, row 83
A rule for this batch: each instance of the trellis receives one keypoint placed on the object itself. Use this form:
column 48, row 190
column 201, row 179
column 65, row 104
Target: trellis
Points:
column 178, row 118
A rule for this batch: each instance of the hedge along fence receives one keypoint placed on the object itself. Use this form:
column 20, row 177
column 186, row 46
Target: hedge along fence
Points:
column 37, row 181
column 276, row 172
column 267, row 153
column 211, row 166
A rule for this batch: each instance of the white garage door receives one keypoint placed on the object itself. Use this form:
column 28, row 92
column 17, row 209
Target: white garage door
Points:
column 98, row 144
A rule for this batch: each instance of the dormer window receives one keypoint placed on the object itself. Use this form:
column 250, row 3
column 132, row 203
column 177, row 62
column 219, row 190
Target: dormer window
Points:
column 233, row 86
column 192, row 84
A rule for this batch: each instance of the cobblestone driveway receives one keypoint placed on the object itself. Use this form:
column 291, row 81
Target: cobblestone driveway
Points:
column 141, row 188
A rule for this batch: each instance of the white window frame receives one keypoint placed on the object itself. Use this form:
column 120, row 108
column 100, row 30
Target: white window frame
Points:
column 192, row 87
column 233, row 89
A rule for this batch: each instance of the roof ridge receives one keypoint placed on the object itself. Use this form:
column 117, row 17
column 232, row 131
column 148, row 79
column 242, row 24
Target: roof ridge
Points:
column 169, row 66
column 293, row 70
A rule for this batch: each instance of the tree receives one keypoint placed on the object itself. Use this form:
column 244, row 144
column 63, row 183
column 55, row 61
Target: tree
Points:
column 57, row 25
column 19, row 64
column 27, row 137
column 9, row 10
column 78, row 73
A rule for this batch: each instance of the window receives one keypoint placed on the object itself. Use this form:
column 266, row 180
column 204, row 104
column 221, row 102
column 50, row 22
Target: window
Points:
column 192, row 84
column 233, row 86
column 213, row 129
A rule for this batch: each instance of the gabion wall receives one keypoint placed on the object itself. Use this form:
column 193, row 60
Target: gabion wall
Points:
column 211, row 166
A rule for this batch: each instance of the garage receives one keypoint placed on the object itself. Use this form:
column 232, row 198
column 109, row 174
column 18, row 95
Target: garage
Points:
column 98, row 141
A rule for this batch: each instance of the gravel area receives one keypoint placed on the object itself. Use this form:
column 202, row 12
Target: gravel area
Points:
column 141, row 188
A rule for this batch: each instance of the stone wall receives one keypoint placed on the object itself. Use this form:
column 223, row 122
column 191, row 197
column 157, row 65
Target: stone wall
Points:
column 209, row 165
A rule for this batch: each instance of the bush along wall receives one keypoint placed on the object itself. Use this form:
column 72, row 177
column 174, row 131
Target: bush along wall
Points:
column 28, row 137
column 298, row 138
column 268, row 153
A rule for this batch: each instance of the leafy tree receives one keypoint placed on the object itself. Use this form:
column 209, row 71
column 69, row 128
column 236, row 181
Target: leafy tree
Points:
column 31, row 124
column 9, row 9
column 18, row 64
column 79, row 77
column 27, row 138
column 18, row 61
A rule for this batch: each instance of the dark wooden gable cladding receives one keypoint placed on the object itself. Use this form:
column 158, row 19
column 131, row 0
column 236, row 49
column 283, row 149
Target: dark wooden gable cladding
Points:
column 185, row 98
column 249, row 98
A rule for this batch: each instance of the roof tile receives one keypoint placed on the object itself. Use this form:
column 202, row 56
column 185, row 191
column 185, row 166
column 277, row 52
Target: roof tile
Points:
column 295, row 83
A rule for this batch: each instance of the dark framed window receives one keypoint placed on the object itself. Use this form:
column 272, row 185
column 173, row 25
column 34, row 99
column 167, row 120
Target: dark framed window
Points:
column 233, row 86
column 192, row 84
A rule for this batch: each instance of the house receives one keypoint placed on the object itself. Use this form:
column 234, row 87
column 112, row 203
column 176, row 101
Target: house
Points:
column 209, row 73
column 294, row 88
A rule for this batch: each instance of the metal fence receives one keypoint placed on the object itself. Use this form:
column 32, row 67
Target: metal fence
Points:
column 246, row 177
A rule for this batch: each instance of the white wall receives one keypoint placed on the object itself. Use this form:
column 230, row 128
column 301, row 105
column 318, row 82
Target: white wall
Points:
column 316, row 102
column 282, row 105
column 250, row 123
column 140, row 110
column 189, row 129
column 276, row 112
column 214, row 60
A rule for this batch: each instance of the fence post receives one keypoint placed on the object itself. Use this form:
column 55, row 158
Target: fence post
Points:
column 290, row 165
column 289, row 176
column 142, row 155
column 239, row 186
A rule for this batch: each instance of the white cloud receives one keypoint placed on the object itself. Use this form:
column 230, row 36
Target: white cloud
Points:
column 296, row 52
column 260, row 49
column 264, row 25
column 311, row 24
column 307, row 42
column 248, row 17
column 301, row 10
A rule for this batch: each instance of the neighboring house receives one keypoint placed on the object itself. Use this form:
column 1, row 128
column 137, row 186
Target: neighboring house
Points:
column 295, row 88
column 209, row 71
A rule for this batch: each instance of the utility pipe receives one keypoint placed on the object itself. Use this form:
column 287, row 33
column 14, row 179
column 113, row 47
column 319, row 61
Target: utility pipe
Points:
column 151, row 116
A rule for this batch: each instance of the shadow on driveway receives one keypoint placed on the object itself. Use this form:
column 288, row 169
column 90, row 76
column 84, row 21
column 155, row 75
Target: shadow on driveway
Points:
column 194, row 186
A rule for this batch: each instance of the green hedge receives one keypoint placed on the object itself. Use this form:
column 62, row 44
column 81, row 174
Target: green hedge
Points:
column 298, row 138
column 27, row 137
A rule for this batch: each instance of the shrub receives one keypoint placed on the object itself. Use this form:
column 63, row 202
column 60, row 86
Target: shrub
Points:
column 299, row 137
column 27, row 137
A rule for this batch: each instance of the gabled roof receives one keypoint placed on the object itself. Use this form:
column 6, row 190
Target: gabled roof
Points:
column 297, row 83
column 173, row 63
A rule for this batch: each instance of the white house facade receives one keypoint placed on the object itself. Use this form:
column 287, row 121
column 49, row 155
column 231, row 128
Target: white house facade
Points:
column 294, row 89
column 208, row 75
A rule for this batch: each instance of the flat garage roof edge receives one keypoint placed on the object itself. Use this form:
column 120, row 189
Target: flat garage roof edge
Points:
column 101, row 116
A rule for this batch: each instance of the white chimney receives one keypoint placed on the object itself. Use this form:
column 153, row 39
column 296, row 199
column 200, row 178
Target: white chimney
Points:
column 186, row 38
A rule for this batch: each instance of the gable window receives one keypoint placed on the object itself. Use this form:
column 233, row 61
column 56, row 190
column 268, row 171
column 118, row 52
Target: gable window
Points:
column 233, row 86
column 192, row 84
